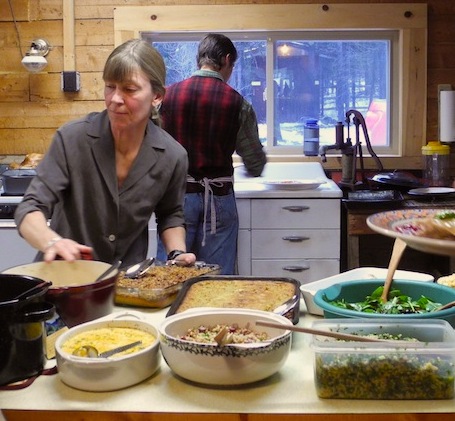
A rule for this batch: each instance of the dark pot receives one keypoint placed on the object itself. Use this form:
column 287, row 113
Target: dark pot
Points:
column 16, row 182
column 22, row 333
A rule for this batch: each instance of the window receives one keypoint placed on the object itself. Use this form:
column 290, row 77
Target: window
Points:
column 338, row 44
column 319, row 77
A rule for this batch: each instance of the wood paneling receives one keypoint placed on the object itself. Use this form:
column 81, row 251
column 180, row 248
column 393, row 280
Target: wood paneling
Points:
column 35, row 101
column 122, row 416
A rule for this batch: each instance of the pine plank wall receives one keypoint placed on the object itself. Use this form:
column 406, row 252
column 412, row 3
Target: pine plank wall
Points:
column 32, row 106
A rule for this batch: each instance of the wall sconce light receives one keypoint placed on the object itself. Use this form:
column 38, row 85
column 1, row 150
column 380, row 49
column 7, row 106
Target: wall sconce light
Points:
column 34, row 60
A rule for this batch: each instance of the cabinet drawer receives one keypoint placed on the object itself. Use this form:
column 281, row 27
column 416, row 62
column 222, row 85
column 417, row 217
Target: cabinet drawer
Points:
column 295, row 213
column 303, row 270
column 315, row 243
column 244, row 212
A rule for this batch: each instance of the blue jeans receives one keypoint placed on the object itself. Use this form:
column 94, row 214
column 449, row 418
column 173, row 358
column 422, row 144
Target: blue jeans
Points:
column 221, row 247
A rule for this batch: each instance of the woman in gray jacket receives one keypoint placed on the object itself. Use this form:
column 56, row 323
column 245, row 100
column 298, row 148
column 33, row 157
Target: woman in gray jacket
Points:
column 105, row 174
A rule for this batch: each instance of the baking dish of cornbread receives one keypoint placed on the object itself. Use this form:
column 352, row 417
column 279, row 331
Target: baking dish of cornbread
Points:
column 230, row 291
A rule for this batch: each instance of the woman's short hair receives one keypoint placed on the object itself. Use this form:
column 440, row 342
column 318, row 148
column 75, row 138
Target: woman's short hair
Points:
column 133, row 55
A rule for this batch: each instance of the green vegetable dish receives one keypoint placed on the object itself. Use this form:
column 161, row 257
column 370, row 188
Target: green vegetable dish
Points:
column 398, row 303
column 369, row 376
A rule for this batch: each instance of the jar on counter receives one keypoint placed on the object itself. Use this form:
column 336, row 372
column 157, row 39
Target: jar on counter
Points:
column 311, row 137
column 436, row 165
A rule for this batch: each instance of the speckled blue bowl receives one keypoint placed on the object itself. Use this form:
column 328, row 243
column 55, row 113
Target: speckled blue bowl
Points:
column 358, row 290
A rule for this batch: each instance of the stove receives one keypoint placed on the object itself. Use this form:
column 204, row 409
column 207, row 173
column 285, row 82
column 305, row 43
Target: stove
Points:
column 14, row 250
column 8, row 205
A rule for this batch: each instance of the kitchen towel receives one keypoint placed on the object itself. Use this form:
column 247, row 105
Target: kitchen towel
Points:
column 447, row 116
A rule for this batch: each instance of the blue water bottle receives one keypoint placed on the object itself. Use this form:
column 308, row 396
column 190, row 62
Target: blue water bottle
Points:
column 311, row 137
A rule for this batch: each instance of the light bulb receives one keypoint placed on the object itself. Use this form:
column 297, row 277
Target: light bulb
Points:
column 34, row 63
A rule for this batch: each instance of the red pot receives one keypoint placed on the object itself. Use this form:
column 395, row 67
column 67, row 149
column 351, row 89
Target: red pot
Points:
column 74, row 292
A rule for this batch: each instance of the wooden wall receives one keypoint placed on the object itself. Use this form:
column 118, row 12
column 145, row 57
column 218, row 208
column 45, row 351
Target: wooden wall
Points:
column 32, row 106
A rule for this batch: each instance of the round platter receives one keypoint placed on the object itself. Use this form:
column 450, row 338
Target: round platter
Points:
column 399, row 223
column 293, row 184
column 432, row 192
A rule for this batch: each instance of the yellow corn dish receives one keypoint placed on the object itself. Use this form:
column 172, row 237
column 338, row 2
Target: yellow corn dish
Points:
column 107, row 338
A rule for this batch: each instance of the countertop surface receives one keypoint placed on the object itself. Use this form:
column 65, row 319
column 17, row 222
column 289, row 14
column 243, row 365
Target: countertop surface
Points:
column 258, row 190
column 290, row 391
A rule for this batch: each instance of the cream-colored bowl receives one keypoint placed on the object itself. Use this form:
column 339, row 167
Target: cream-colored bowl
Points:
column 227, row 365
column 106, row 374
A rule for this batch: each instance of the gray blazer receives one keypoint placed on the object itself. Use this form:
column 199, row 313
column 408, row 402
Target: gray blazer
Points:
column 76, row 188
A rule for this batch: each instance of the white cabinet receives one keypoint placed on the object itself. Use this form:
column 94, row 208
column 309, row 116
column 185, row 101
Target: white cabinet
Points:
column 14, row 250
column 289, row 237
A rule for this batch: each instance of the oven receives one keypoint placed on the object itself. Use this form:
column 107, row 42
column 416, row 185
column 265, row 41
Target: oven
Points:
column 14, row 250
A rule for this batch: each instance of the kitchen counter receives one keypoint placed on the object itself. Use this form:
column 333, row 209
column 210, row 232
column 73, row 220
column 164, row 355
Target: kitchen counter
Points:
column 256, row 187
column 251, row 190
column 289, row 394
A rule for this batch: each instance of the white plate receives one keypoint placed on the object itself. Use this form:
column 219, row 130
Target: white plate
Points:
column 432, row 191
column 310, row 289
column 392, row 224
column 293, row 184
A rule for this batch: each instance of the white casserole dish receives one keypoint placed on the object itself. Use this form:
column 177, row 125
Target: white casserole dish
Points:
column 104, row 374
column 309, row 290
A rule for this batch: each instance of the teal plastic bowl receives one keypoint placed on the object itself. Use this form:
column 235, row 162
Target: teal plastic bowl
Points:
column 354, row 291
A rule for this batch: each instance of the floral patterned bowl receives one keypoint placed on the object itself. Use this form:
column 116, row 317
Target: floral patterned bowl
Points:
column 228, row 365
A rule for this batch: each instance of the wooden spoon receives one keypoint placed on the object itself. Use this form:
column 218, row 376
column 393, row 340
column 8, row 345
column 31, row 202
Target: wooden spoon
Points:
column 448, row 305
column 398, row 248
column 338, row 335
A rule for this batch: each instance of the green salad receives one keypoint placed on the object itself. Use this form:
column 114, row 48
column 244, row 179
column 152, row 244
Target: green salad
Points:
column 398, row 303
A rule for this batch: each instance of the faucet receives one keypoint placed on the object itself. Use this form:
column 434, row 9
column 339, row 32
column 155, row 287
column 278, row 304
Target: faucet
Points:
column 349, row 151
column 345, row 147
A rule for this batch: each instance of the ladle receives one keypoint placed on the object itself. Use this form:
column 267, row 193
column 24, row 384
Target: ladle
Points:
column 90, row 351
column 140, row 268
column 398, row 248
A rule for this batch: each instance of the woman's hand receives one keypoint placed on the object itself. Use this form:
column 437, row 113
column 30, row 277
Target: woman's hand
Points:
column 65, row 248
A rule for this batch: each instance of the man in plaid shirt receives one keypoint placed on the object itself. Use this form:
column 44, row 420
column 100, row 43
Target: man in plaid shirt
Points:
column 212, row 121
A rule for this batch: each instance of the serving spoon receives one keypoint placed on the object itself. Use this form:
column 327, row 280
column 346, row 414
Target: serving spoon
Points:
column 337, row 335
column 446, row 306
column 398, row 248
column 90, row 351
column 137, row 270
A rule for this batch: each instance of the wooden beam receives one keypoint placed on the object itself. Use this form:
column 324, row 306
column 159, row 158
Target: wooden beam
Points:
column 69, row 58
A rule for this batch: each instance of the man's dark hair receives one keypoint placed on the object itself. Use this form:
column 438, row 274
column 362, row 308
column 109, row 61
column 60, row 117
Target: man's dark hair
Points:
column 213, row 48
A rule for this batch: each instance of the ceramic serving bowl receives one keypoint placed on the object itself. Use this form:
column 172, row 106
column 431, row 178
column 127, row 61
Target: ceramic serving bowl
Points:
column 74, row 292
column 113, row 373
column 228, row 365
column 358, row 290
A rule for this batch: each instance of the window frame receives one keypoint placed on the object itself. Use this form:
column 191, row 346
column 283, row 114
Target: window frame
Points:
column 409, row 20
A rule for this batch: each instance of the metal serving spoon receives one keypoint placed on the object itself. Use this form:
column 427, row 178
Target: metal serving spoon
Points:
column 109, row 270
column 140, row 268
column 90, row 351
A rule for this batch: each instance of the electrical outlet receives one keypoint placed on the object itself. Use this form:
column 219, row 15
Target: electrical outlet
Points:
column 70, row 81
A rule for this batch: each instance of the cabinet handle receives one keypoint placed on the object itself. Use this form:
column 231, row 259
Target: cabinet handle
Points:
column 296, row 268
column 296, row 208
column 295, row 238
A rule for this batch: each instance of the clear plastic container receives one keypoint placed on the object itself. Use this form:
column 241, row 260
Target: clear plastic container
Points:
column 311, row 137
column 395, row 369
column 436, row 165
